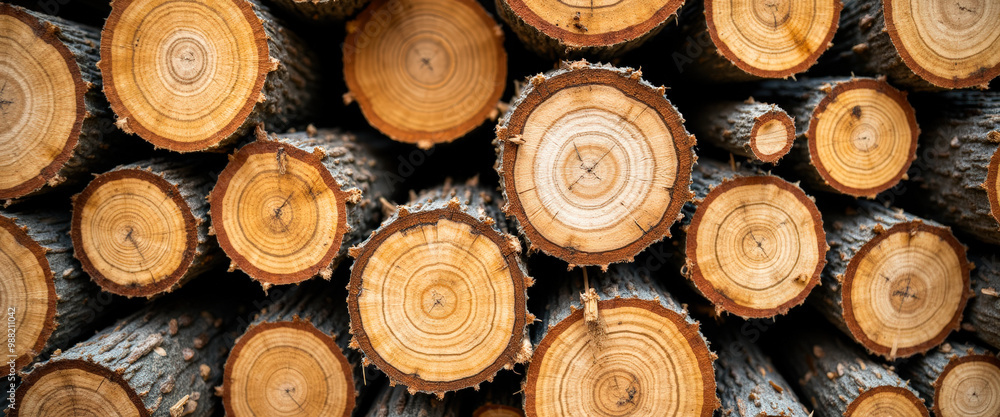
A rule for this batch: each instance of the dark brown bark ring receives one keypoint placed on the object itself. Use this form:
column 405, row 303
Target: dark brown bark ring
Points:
column 992, row 185
column 48, row 324
column 74, row 367
column 765, row 152
column 992, row 386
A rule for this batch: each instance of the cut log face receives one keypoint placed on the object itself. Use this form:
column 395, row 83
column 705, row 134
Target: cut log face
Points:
column 437, row 296
column 772, row 136
column 133, row 232
column 184, row 75
column 623, row 347
column 863, row 137
column 69, row 387
column 886, row 401
column 968, row 386
column 288, row 368
column 949, row 44
column 756, row 246
column 772, row 39
column 27, row 285
column 905, row 290
column 603, row 27
column 495, row 410
column 595, row 163
column 425, row 71
column 42, row 102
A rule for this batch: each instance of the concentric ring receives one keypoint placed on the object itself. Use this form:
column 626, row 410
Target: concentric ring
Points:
column 27, row 285
column 133, row 233
column 183, row 75
column 949, row 43
column 905, row 290
column 756, row 246
column 651, row 363
column 772, row 38
column 288, row 368
column 425, row 71
column 582, row 23
column 278, row 212
column 969, row 386
column 41, row 103
column 863, row 137
column 437, row 301
column 76, row 387
column 887, row 401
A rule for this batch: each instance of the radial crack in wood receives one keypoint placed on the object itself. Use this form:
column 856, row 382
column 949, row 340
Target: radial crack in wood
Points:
column 190, row 76
column 771, row 38
column 600, row 28
column 861, row 133
column 652, row 361
column 604, row 167
column 438, row 293
column 286, row 208
column 292, row 362
column 755, row 245
column 895, row 283
column 53, row 116
column 54, row 303
column 141, row 229
column 425, row 71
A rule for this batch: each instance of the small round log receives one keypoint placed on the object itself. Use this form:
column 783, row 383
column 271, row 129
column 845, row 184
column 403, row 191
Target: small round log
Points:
column 425, row 71
column 755, row 245
column 190, row 76
column 895, row 283
column 961, row 379
column 294, row 359
column 622, row 347
column 141, row 229
column 287, row 207
column 438, row 293
column 595, row 163
column 760, row 131
column 861, row 133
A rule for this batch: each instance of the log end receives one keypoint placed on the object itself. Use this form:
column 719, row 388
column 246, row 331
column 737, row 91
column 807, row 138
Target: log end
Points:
column 168, row 73
column 966, row 386
column 905, row 289
column 133, row 233
column 68, row 387
column 887, row 400
column 772, row 136
column 28, row 289
column 756, row 246
column 278, row 367
column 278, row 212
column 863, row 137
column 42, row 101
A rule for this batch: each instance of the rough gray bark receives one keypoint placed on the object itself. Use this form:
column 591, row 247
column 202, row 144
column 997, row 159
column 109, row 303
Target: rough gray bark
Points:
column 321, row 10
column 923, row 372
column 170, row 354
column 193, row 183
column 960, row 149
column 748, row 384
column 396, row 402
column 93, row 145
column 729, row 125
column 708, row 64
column 863, row 40
column 984, row 307
column 847, row 232
column 80, row 304
column 832, row 373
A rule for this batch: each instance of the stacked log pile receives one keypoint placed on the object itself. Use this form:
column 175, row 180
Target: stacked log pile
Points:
column 500, row 208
